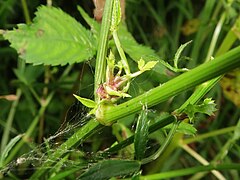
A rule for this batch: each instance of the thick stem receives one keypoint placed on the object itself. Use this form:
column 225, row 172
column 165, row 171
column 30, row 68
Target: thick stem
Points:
column 173, row 87
column 183, row 82
column 100, row 69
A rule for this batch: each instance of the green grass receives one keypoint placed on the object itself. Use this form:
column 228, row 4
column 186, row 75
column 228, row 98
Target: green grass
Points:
column 164, row 130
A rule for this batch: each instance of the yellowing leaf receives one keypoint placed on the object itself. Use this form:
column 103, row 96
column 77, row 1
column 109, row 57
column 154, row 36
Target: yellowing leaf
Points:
column 231, row 86
column 149, row 65
column 141, row 64
column 190, row 27
column 86, row 102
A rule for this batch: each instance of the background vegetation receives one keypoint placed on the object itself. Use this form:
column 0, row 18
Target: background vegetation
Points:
column 37, row 103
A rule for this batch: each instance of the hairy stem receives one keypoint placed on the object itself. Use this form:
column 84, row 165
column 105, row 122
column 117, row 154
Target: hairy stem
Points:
column 100, row 69
column 183, row 82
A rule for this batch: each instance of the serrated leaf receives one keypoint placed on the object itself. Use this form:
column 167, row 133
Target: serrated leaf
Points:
column 86, row 102
column 54, row 38
column 179, row 52
column 186, row 128
column 110, row 168
column 207, row 107
column 141, row 135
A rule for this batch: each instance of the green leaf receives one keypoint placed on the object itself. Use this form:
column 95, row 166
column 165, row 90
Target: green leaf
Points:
column 110, row 168
column 8, row 148
column 207, row 107
column 86, row 102
column 186, row 128
column 141, row 135
column 54, row 38
column 179, row 52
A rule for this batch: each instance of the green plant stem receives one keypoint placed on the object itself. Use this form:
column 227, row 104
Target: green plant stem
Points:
column 121, row 52
column 21, row 66
column 164, row 145
column 173, row 87
column 10, row 118
column 189, row 171
column 81, row 134
column 200, row 91
column 185, row 81
column 208, row 135
column 215, row 37
column 26, row 12
column 203, row 161
column 44, row 95
column 100, row 68
column 140, row 29
column 30, row 130
column 36, row 119
column 158, row 19
column 154, row 127
column 223, row 151
column 200, row 36
column 34, row 93
column 230, row 38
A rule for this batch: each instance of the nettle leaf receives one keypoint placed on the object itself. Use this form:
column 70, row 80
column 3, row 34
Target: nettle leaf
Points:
column 54, row 38
column 86, row 102
column 207, row 107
